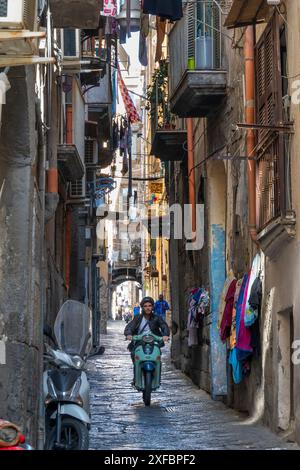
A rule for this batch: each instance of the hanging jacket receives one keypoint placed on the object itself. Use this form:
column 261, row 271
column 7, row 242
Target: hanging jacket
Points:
column 227, row 315
column 167, row 9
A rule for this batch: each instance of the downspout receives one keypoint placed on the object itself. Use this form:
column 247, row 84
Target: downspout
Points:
column 191, row 174
column 52, row 197
column 42, row 190
column 250, row 138
column 68, row 247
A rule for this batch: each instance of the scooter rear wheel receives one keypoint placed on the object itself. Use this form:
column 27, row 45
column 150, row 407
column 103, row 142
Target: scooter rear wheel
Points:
column 148, row 388
column 74, row 436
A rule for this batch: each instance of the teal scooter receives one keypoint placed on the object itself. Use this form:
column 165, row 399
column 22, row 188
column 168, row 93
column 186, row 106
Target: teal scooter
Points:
column 147, row 364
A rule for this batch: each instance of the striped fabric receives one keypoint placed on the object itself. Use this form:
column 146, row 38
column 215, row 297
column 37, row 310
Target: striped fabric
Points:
column 131, row 111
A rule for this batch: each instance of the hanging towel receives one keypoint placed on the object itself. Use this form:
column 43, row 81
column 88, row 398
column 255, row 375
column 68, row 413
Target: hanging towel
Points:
column 237, row 368
column 222, row 303
column 250, row 313
column 227, row 316
column 243, row 344
column 143, row 54
column 161, row 32
column 233, row 324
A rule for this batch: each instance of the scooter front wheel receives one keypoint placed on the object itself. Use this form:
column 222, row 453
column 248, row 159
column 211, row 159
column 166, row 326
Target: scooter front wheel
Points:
column 74, row 436
column 148, row 388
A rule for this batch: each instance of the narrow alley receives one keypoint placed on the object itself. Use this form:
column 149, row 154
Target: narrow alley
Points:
column 181, row 416
column 149, row 174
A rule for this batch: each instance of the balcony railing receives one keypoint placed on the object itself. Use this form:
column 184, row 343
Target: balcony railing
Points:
column 268, row 185
column 167, row 140
column 196, row 69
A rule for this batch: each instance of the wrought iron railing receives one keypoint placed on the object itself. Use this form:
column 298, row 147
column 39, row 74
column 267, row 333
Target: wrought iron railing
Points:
column 268, row 185
column 274, row 181
column 158, row 99
column 195, row 41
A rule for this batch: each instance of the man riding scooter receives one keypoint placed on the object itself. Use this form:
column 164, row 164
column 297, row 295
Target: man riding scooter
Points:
column 149, row 328
column 147, row 321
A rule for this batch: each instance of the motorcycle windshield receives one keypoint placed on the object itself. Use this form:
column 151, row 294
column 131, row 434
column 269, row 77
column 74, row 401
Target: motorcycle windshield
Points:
column 73, row 328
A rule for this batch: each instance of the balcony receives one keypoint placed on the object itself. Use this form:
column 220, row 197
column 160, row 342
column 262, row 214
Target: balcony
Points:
column 246, row 12
column 197, row 77
column 94, row 59
column 99, row 101
column 82, row 14
column 168, row 143
column 69, row 162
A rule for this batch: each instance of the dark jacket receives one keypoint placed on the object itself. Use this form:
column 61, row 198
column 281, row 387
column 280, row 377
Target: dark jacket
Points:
column 157, row 325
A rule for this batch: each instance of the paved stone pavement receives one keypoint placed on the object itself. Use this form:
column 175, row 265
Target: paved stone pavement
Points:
column 180, row 417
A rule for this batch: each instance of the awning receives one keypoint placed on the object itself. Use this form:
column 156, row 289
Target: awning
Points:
column 124, row 59
column 247, row 12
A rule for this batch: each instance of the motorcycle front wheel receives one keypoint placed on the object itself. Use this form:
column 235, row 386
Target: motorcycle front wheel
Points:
column 74, row 436
column 148, row 388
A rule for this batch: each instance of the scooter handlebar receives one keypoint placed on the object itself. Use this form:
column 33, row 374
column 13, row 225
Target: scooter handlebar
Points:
column 140, row 337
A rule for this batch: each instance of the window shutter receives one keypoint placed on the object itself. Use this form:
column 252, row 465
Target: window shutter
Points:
column 191, row 29
column 269, row 112
column 265, row 83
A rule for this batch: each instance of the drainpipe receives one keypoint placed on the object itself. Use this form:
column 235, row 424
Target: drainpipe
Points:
column 42, row 152
column 191, row 173
column 250, row 119
column 68, row 247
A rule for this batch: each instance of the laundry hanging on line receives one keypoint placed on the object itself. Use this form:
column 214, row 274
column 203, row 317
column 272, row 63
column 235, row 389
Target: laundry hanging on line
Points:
column 167, row 9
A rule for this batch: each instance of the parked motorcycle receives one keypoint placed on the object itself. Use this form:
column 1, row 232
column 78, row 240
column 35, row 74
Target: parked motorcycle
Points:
column 147, row 364
column 11, row 437
column 66, row 388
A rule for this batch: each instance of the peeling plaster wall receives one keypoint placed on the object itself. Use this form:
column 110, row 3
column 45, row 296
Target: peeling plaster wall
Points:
column 20, row 256
column 216, row 220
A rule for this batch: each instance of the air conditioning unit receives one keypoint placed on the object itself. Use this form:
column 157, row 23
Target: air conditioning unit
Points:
column 77, row 189
column 18, row 14
column 91, row 152
column 71, row 49
column 18, row 26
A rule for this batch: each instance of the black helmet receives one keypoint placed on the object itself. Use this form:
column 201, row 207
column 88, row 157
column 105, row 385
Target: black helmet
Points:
column 145, row 300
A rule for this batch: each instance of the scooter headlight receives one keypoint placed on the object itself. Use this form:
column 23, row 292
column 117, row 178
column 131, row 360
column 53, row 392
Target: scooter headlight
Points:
column 148, row 339
column 73, row 394
column 75, row 390
column 51, row 389
column 78, row 362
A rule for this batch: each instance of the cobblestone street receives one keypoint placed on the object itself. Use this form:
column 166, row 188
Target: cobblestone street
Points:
column 181, row 416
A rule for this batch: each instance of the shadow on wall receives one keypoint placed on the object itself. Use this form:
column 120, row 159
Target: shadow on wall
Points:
column 259, row 398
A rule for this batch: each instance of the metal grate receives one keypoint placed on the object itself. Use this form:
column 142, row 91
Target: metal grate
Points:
column 3, row 8
column 77, row 188
column 90, row 180
column 89, row 151
column 29, row 14
column 268, row 184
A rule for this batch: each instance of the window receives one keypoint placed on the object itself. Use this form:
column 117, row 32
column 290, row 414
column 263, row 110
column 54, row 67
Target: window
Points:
column 204, row 34
column 272, row 148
